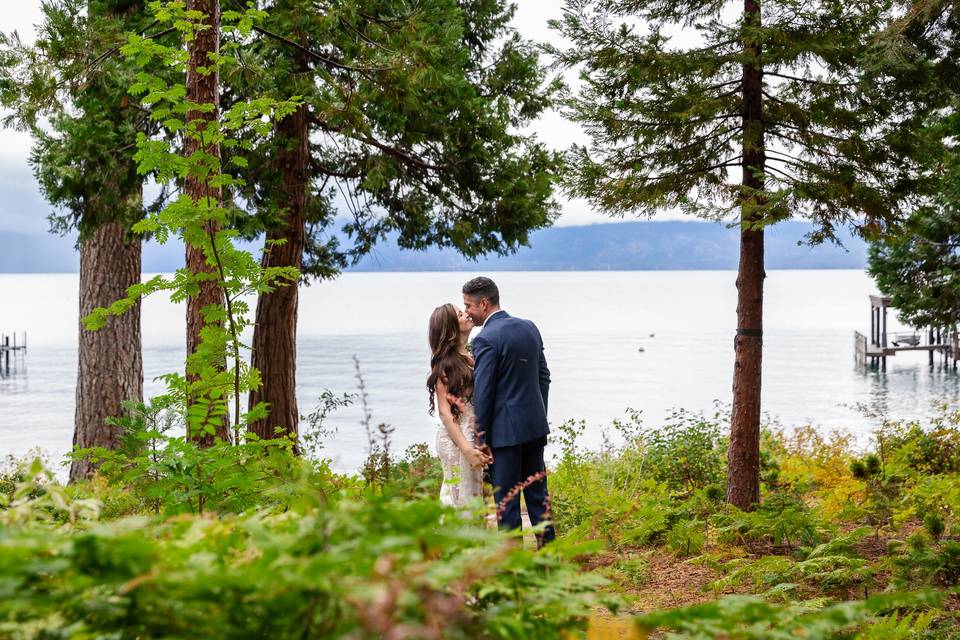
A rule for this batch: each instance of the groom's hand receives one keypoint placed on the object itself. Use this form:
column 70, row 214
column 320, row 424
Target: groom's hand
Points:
column 488, row 452
column 478, row 458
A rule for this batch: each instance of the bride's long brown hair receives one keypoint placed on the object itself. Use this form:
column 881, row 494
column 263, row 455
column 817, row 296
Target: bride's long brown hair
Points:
column 448, row 363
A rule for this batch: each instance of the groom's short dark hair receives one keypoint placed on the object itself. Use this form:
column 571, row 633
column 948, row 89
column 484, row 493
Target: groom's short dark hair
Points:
column 483, row 287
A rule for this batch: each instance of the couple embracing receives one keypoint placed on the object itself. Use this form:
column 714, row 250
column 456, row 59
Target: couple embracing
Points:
column 492, row 401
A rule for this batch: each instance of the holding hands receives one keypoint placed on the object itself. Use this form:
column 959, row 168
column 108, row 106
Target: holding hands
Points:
column 478, row 457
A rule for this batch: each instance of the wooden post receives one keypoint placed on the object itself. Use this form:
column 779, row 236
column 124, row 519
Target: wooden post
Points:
column 954, row 342
column 884, row 339
column 6, row 352
column 876, row 337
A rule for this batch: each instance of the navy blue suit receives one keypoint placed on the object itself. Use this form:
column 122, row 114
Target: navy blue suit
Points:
column 511, row 383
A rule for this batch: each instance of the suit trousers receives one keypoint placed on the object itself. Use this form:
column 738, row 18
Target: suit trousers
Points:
column 511, row 467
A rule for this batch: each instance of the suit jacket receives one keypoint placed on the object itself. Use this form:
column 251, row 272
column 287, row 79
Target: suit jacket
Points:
column 511, row 381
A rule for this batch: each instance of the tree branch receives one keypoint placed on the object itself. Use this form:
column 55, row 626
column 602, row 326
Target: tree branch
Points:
column 386, row 21
column 809, row 80
column 330, row 62
column 373, row 142
column 717, row 132
column 678, row 123
column 770, row 96
column 793, row 162
column 319, row 167
column 807, row 145
column 721, row 85
column 776, row 123
column 730, row 162
column 366, row 38
column 112, row 51
column 786, row 175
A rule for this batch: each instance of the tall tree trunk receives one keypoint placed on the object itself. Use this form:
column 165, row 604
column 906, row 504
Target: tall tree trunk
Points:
column 110, row 363
column 275, row 333
column 743, row 468
column 203, row 89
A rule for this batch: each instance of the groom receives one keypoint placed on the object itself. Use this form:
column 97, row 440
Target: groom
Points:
column 510, row 385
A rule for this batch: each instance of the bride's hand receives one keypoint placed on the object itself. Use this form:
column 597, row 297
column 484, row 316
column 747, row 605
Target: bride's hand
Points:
column 478, row 458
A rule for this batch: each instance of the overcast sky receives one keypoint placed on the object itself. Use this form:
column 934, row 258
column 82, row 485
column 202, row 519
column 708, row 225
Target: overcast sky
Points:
column 23, row 209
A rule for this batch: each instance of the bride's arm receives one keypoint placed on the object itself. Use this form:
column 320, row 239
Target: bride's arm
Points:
column 449, row 420
column 477, row 457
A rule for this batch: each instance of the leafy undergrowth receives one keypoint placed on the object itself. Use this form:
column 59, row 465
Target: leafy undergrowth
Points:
column 838, row 529
column 373, row 564
column 245, row 541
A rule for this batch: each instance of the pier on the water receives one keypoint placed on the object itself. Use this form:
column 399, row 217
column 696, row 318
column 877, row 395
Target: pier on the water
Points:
column 13, row 347
column 882, row 344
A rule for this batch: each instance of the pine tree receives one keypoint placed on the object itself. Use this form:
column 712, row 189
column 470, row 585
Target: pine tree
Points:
column 74, row 102
column 799, row 96
column 410, row 118
column 919, row 267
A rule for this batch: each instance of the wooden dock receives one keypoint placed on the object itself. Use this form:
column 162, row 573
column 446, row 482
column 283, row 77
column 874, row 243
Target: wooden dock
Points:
column 12, row 346
column 881, row 344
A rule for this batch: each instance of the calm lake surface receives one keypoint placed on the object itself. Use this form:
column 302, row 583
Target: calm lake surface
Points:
column 653, row 341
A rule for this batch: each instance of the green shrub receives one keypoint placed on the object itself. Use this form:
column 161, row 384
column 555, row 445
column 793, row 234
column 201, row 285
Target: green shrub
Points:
column 715, row 493
column 687, row 452
column 926, row 451
column 157, row 471
column 883, row 491
column 340, row 568
column 781, row 519
column 948, row 565
column 606, row 494
column 918, row 563
column 827, row 566
column 933, row 497
column 751, row 618
column 933, row 524
column 687, row 537
column 417, row 472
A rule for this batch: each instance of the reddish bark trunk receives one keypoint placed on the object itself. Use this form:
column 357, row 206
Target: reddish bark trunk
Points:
column 743, row 468
column 203, row 89
column 110, row 364
column 275, row 333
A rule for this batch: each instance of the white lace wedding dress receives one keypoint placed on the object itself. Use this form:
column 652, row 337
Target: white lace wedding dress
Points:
column 461, row 482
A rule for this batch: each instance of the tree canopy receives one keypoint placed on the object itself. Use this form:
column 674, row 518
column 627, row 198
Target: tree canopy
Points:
column 416, row 116
column 841, row 125
column 70, row 91
column 919, row 268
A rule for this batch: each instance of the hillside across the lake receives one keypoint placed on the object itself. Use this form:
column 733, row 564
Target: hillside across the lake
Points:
column 646, row 245
column 643, row 246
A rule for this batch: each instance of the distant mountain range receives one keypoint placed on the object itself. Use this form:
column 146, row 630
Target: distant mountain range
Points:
column 646, row 245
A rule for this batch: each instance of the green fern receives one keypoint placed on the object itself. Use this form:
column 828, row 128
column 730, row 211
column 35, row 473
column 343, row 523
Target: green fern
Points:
column 899, row 627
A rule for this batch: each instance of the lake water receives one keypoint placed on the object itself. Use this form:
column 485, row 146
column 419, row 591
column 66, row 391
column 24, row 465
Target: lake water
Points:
column 653, row 341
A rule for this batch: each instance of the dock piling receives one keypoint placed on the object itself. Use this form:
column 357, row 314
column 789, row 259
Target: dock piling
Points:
column 8, row 348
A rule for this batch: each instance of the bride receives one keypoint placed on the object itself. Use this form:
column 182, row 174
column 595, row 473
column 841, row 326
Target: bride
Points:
column 451, row 377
